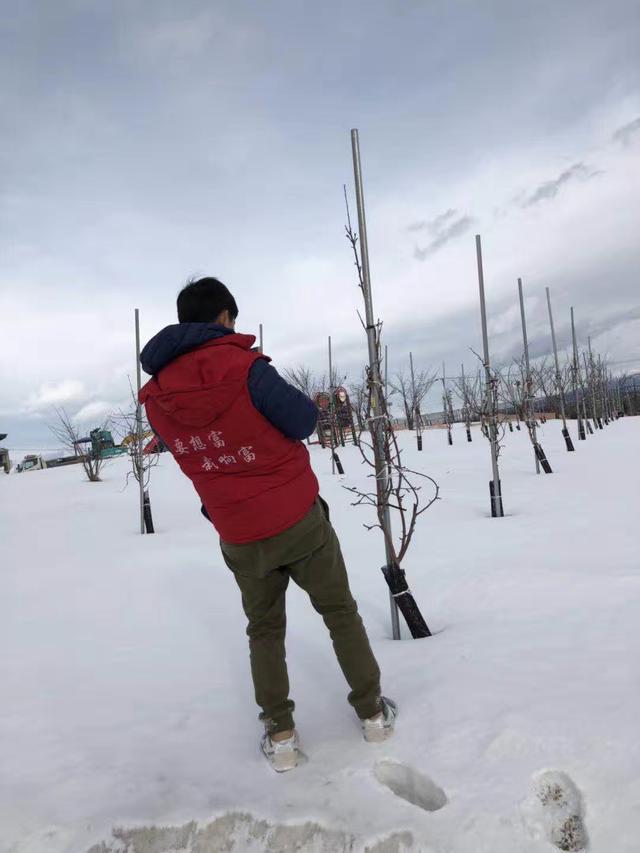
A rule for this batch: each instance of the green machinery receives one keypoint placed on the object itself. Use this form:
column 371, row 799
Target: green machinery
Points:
column 102, row 444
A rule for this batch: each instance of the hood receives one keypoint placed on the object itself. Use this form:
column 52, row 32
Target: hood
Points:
column 195, row 403
column 176, row 340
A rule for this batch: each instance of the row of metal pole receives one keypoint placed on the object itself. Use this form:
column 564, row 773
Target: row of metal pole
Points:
column 377, row 388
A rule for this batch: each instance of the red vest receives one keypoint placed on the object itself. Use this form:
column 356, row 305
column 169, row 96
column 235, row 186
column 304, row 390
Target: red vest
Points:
column 253, row 481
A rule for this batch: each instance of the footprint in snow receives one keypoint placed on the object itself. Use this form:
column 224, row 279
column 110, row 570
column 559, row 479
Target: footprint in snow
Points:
column 554, row 811
column 414, row 787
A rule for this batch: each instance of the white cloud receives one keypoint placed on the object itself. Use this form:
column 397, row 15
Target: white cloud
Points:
column 235, row 167
column 56, row 394
column 97, row 410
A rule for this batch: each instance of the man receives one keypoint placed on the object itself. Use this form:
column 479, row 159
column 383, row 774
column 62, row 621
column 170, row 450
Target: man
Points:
column 234, row 426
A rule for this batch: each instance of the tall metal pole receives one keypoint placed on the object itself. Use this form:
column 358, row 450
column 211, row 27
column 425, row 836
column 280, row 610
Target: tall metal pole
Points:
column 376, row 381
column 576, row 377
column 139, row 464
column 495, row 490
column 260, row 345
column 331, row 411
column 565, row 431
column 530, row 413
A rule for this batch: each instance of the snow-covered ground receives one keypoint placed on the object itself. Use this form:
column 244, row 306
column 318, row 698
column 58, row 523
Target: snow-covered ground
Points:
column 127, row 703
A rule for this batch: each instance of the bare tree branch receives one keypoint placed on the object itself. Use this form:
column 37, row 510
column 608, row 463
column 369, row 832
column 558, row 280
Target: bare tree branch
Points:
column 68, row 433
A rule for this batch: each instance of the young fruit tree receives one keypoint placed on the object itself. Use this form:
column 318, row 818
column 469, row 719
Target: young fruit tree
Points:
column 134, row 433
column 395, row 487
column 68, row 433
column 490, row 396
column 461, row 386
column 518, row 392
column 529, row 390
column 412, row 391
column 577, row 381
column 303, row 379
column 563, row 379
column 360, row 401
column 447, row 406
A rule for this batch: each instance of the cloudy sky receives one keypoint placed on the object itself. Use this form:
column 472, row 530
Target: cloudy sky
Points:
column 146, row 142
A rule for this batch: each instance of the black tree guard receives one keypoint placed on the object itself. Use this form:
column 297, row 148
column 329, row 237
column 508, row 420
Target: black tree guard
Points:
column 567, row 439
column 542, row 459
column 419, row 442
column 146, row 509
column 497, row 510
column 336, row 459
column 405, row 601
column 468, row 434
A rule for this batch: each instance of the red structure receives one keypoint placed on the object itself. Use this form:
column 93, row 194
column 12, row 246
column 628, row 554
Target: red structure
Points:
column 335, row 422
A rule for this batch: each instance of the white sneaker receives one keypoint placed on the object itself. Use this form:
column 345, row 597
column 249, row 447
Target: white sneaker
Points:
column 282, row 755
column 379, row 728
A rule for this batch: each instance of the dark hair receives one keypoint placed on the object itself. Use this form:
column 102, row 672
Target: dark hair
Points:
column 203, row 301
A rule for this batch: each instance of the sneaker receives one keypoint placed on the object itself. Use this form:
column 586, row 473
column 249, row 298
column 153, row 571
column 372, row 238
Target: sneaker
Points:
column 379, row 728
column 282, row 755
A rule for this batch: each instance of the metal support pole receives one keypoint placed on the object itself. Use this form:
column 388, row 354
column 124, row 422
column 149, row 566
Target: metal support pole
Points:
column 139, row 461
column 377, row 434
column 495, row 490
column 260, row 344
column 331, row 412
column 565, row 431
column 576, row 380
column 529, row 409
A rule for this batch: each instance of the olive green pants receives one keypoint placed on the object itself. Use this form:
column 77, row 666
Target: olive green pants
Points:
column 308, row 553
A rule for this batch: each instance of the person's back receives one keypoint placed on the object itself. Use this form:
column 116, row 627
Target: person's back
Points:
column 252, row 480
column 234, row 427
